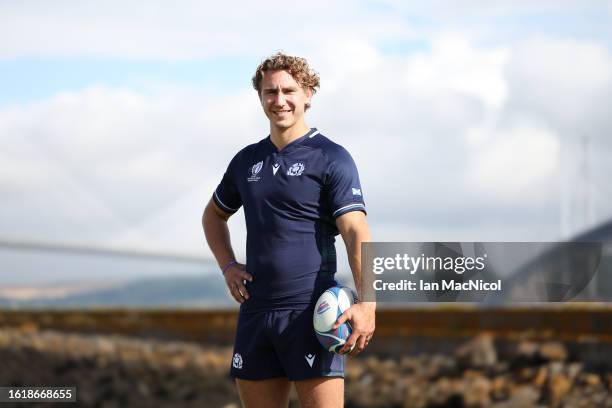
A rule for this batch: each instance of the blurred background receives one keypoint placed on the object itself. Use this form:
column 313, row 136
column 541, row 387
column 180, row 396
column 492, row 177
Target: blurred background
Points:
column 469, row 121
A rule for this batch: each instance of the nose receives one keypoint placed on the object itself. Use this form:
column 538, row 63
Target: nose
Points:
column 279, row 99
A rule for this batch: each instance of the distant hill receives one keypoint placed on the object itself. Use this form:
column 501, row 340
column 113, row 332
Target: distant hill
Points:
column 175, row 291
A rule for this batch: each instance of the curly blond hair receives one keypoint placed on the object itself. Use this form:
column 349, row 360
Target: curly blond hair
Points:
column 296, row 66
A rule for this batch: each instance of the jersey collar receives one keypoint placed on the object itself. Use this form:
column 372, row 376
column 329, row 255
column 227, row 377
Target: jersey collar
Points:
column 311, row 133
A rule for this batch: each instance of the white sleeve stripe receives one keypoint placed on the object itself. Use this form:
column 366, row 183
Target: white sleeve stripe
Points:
column 356, row 205
column 314, row 134
column 223, row 204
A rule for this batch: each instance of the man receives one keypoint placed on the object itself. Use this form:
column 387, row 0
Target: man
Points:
column 299, row 190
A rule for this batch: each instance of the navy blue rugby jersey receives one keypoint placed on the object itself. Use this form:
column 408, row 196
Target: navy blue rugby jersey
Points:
column 291, row 199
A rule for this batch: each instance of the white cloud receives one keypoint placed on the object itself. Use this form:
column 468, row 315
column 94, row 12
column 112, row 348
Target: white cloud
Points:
column 101, row 161
column 562, row 80
column 183, row 30
column 178, row 229
column 455, row 65
column 448, row 139
column 460, row 148
column 513, row 164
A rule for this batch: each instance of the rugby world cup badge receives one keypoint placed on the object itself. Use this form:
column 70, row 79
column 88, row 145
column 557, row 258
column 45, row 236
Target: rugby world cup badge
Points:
column 255, row 169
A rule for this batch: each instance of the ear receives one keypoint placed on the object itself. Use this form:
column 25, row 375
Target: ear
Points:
column 309, row 95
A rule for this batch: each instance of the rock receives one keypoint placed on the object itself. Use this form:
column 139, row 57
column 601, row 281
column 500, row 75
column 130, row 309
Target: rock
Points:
column 143, row 388
column 524, row 397
column 609, row 381
column 477, row 353
column 122, row 371
column 599, row 399
column 440, row 365
column 408, row 365
column 366, row 380
column 526, row 374
column 105, row 345
column 539, row 380
column 500, row 388
column 476, row 392
column 371, row 363
column 555, row 367
column 386, row 372
column 117, row 371
column 573, row 369
column 557, row 387
column 414, row 397
column 499, row 368
column 443, row 392
column 398, row 391
column 28, row 327
column 553, row 351
column 354, row 370
column 526, row 349
column 590, row 380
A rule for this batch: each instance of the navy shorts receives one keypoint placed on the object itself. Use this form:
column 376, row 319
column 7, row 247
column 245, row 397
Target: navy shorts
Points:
column 281, row 343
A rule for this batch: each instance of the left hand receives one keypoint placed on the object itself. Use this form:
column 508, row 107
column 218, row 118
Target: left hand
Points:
column 362, row 317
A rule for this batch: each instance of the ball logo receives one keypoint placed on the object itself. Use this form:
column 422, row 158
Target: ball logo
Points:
column 296, row 170
column 323, row 307
column 237, row 361
column 256, row 168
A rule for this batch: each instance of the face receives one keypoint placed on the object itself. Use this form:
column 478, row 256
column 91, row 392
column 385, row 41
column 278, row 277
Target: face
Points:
column 283, row 99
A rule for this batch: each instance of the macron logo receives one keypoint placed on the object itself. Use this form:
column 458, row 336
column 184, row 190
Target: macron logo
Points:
column 310, row 359
column 275, row 168
column 356, row 191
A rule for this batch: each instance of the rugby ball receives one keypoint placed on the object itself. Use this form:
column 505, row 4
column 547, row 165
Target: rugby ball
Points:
column 331, row 304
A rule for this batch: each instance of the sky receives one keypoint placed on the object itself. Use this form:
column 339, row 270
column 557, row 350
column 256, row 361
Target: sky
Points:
column 468, row 121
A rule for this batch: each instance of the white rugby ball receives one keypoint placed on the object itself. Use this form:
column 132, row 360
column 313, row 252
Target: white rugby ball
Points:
column 330, row 305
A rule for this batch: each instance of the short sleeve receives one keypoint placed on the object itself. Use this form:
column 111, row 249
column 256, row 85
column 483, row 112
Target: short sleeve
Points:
column 226, row 195
column 343, row 185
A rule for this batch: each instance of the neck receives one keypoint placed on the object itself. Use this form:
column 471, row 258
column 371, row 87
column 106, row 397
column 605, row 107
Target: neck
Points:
column 281, row 137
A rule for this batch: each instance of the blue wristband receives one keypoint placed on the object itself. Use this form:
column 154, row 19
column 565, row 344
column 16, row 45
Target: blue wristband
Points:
column 227, row 266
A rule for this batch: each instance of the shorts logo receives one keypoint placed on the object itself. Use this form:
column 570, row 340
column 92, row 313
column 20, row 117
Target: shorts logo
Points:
column 310, row 358
column 296, row 170
column 237, row 361
column 255, row 169
column 323, row 307
column 356, row 191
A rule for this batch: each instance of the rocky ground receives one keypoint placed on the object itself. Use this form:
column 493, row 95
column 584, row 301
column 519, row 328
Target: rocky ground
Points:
column 113, row 371
column 532, row 375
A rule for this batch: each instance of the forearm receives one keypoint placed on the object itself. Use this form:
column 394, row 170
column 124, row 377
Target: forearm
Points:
column 353, row 242
column 218, row 236
column 354, row 229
